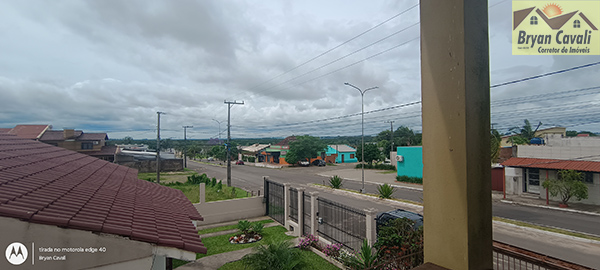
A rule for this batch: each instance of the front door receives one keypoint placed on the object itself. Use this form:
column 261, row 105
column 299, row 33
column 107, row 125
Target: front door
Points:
column 533, row 180
column 342, row 158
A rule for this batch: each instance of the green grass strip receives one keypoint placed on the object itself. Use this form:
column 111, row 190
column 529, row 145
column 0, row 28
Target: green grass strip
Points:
column 312, row 260
column 372, row 195
column 220, row 244
column 229, row 227
column 549, row 229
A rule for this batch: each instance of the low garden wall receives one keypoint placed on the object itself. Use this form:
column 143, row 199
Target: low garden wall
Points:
column 230, row 210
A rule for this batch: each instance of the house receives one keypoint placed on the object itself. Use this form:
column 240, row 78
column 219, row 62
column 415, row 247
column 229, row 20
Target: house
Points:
column 533, row 164
column 255, row 151
column 340, row 153
column 93, row 144
column 67, row 210
column 276, row 153
column 541, row 133
column 409, row 161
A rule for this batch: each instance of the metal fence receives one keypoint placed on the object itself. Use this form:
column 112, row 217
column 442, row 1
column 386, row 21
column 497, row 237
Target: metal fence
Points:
column 341, row 224
column 293, row 204
column 306, row 209
column 506, row 256
column 274, row 195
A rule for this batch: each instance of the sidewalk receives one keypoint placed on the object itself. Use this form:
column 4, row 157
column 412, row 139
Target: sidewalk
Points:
column 377, row 177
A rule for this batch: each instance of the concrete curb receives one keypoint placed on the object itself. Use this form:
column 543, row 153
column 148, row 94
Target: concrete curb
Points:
column 525, row 228
column 369, row 197
column 552, row 208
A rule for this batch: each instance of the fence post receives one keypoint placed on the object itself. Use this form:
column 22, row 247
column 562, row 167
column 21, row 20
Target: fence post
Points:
column 202, row 194
column 313, row 212
column 300, row 210
column 286, row 205
column 266, row 198
column 371, row 232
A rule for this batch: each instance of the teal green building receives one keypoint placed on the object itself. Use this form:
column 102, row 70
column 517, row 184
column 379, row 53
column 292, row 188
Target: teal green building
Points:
column 409, row 161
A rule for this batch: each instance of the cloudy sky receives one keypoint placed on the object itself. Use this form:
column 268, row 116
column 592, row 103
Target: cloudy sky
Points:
column 109, row 66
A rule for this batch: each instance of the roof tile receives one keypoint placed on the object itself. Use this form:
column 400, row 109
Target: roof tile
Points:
column 555, row 164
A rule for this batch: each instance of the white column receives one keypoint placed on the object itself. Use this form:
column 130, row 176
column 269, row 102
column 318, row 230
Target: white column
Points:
column 300, row 211
column 202, row 193
column 286, row 207
column 371, row 232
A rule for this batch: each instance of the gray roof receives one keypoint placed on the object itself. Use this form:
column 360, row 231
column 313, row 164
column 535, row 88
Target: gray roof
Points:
column 342, row 148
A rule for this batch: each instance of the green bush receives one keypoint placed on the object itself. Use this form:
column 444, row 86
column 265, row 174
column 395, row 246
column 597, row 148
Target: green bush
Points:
column 213, row 182
column 277, row 255
column 251, row 159
column 219, row 186
column 365, row 259
column 398, row 238
column 257, row 227
column 569, row 184
column 335, row 182
column 386, row 191
column 386, row 167
column 244, row 226
column 409, row 179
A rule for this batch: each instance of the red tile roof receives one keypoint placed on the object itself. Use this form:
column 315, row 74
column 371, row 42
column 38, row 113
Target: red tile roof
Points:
column 286, row 141
column 45, row 184
column 556, row 164
column 107, row 150
column 4, row 130
column 29, row 131
column 58, row 135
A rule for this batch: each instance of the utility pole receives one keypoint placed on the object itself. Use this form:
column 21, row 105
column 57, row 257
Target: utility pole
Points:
column 362, row 118
column 229, row 105
column 391, row 137
column 158, row 147
column 219, row 134
column 185, row 145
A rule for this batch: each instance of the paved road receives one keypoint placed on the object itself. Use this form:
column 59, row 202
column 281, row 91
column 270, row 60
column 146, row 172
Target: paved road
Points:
column 250, row 178
column 566, row 248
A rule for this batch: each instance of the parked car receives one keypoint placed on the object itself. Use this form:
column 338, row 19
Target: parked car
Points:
column 319, row 162
column 304, row 163
column 239, row 162
column 382, row 218
column 211, row 159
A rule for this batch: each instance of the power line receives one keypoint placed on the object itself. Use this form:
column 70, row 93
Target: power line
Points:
column 545, row 74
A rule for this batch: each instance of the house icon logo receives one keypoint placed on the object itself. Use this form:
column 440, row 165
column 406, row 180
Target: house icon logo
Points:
column 16, row 253
column 556, row 28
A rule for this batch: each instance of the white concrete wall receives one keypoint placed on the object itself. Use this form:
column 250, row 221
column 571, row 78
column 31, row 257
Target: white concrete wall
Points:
column 513, row 180
column 593, row 190
column 120, row 252
column 231, row 210
column 589, row 153
column 557, row 140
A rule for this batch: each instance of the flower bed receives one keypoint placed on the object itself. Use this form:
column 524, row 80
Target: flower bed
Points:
column 245, row 238
column 248, row 232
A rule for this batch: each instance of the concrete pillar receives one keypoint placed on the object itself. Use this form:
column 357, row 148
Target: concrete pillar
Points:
column 313, row 212
column 371, row 232
column 300, row 211
column 456, row 133
column 202, row 193
column 286, row 207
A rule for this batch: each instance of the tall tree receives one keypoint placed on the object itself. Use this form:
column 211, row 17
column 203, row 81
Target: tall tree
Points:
column 526, row 133
column 404, row 136
column 304, row 147
column 372, row 153
column 495, row 140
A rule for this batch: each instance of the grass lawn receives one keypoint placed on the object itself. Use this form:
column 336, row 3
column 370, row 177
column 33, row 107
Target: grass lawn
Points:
column 388, row 172
column 220, row 244
column 313, row 261
column 229, row 227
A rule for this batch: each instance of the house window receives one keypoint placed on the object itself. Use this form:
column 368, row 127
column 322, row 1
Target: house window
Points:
column 533, row 176
column 533, row 20
column 351, row 155
column 576, row 24
column 87, row 145
column 588, row 177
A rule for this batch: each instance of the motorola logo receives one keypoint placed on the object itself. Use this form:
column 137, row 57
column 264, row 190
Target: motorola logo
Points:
column 16, row 253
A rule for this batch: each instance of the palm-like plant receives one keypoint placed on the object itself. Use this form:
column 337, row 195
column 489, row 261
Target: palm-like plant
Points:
column 386, row 191
column 244, row 226
column 366, row 259
column 278, row 255
column 335, row 182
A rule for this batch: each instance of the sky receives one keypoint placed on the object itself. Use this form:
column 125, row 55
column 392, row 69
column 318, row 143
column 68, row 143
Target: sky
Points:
column 110, row 66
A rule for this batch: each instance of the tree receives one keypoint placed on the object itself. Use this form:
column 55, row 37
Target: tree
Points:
column 569, row 184
column 220, row 151
column 371, row 153
column 526, row 133
column 495, row 140
column 571, row 133
column 404, row 136
column 304, row 147
column 127, row 140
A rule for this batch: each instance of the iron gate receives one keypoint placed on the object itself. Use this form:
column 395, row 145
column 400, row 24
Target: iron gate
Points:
column 293, row 204
column 306, row 209
column 341, row 224
column 274, row 195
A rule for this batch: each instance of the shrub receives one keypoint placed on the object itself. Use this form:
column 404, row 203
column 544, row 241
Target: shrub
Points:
column 257, row 227
column 386, row 191
column 409, row 179
column 567, row 186
column 308, row 241
column 219, row 186
column 332, row 250
column 244, row 226
column 278, row 255
column 365, row 259
column 213, row 182
column 398, row 238
column 251, row 159
column 335, row 182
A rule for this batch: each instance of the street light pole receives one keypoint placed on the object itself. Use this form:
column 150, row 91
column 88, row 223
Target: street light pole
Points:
column 158, row 147
column 229, row 105
column 362, row 118
column 391, row 137
column 185, row 145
